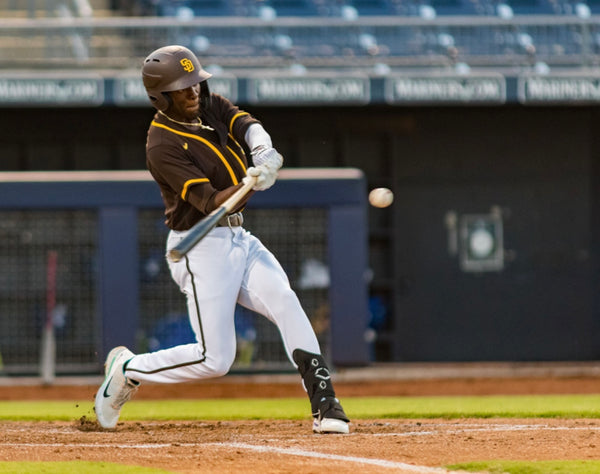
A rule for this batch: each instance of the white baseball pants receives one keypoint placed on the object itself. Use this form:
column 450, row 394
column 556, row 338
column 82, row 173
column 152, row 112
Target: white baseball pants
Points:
column 228, row 266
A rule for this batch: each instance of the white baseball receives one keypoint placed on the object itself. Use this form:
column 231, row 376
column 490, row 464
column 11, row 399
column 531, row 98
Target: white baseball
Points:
column 381, row 197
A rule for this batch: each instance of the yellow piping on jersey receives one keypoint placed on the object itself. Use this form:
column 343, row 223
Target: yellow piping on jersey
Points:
column 188, row 183
column 235, row 117
column 206, row 142
column 237, row 158
column 236, row 142
column 235, row 154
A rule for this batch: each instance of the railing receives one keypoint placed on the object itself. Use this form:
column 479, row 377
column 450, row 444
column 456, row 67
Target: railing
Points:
column 252, row 43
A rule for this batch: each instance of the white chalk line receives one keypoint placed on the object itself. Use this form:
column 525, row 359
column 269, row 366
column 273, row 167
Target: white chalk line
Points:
column 334, row 457
column 250, row 447
column 312, row 454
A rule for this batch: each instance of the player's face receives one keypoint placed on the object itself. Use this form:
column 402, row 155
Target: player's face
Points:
column 186, row 103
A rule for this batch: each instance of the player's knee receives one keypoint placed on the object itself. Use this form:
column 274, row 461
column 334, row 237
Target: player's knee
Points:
column 221, row 364
column 221, row 369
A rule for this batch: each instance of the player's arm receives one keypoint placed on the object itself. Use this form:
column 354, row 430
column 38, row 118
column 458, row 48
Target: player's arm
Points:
column 204, row 197
column 267, row 160
column 248, row 130
column 245, row 128
column 221, row 196
column 186, row 180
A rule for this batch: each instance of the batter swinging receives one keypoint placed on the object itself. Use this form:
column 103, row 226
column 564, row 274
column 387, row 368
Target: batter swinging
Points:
column 195, row 155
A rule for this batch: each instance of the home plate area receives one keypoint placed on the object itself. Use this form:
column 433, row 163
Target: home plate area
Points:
column 373, row 446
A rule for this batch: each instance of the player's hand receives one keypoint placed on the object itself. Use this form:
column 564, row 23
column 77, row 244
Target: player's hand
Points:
column 270, row 157
column 251, row 172
column 265, row 177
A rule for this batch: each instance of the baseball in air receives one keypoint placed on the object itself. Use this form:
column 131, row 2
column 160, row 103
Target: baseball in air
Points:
column 381, row 197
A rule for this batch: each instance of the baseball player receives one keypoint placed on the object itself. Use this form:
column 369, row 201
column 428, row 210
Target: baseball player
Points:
column 194, row 152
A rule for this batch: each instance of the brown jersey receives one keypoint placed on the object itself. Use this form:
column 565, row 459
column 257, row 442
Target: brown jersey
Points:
column 191, row 163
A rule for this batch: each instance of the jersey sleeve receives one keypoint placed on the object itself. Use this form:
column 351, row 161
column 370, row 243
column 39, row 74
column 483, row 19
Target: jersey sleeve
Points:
column 236, row 120
column 188, row 183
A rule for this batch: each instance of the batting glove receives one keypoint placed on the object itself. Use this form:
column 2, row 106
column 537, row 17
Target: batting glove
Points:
column 265, row 177
column 263, row 155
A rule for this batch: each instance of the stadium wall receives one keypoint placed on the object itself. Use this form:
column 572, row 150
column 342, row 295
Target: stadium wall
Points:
column 111, row 284
column 527, row 175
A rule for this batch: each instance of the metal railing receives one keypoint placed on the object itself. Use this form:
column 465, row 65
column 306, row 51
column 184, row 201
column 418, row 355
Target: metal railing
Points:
column 251, row 43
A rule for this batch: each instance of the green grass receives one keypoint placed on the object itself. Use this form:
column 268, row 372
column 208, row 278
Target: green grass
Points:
column 490, row 467
column 528, row 467
column 514, row 406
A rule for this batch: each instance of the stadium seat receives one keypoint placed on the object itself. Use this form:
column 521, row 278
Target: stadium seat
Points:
column 197, row 8
column 210, row 7
column 531, row 7
column 169, row 7
column 594, row 6
column 373, row 7
column 293, row 7
column 453, row 7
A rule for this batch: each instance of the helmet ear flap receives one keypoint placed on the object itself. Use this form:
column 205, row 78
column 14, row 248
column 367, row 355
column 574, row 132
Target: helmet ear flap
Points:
column 161, row 101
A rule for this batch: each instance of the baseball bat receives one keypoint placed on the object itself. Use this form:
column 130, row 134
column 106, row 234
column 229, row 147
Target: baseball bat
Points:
column 48, row 348
column 203, row 227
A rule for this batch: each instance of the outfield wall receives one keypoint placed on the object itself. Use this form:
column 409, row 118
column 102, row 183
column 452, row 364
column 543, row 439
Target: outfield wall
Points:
column 113, row 286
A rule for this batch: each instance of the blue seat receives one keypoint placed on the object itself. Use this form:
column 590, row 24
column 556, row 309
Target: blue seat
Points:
column 373, row 7
column 531, row 7
column 453, row 7
column 594, row 6
column 210, row 7
column 294, row 7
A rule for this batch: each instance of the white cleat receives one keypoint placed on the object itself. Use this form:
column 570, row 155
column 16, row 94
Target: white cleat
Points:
column 116, row 389
column 330, row 418
column 330, row 425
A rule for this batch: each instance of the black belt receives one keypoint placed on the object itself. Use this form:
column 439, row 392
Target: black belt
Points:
column 232, row 220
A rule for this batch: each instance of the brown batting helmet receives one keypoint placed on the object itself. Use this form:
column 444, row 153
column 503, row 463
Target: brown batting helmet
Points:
column 171, row 68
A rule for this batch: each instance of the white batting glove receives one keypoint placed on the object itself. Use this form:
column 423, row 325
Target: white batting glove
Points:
column 263, row 155
column 251, row 172
column 265, row 177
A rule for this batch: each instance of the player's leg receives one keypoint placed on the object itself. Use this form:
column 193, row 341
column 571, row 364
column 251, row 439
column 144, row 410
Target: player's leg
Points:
column 278, row 302
column 328, row 414
column 212, row 268
column 210, row 276
column 116, row 389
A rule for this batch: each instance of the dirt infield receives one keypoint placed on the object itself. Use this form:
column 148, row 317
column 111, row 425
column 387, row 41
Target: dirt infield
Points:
column 373, row 446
